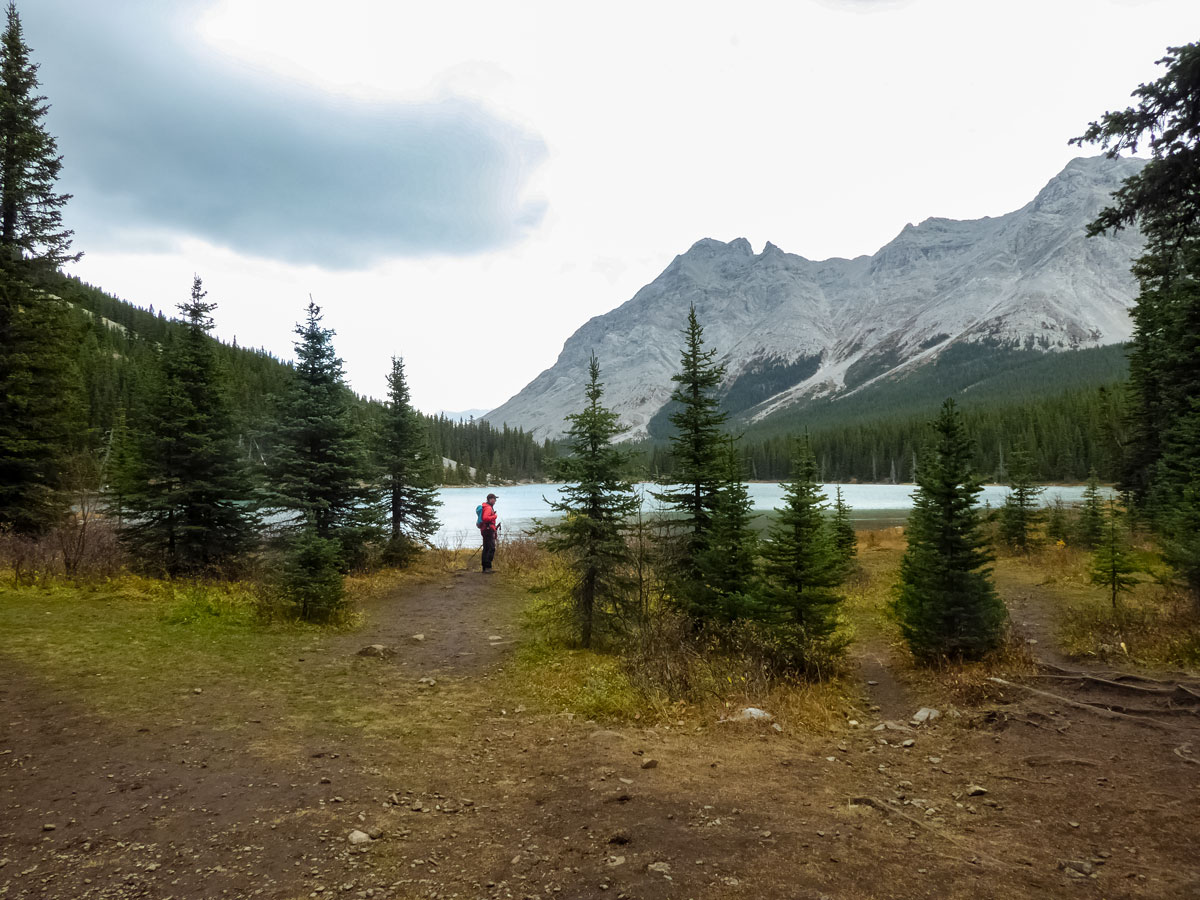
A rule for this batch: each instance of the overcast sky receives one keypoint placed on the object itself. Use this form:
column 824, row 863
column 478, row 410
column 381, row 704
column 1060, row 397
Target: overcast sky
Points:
column 465, row 184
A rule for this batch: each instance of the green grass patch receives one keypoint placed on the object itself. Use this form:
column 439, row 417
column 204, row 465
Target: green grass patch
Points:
column 585, row 683
column 154, row 653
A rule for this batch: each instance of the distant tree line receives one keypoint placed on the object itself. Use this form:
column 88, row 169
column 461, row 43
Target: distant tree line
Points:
column 506, row 454
column 1067, row 434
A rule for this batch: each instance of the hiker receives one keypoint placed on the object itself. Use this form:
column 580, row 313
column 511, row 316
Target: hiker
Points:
column 488, row 526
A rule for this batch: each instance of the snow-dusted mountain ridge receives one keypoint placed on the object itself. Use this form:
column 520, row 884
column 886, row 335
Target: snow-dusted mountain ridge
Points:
column 790, row 329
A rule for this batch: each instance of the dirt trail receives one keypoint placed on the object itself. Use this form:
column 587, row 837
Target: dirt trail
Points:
column 1025, row 798
column 465, row 625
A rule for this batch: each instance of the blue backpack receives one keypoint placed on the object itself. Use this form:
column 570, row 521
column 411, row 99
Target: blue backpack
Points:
column 479, row 517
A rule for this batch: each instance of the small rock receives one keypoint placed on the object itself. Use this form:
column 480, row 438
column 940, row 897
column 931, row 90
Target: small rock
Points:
column 650, row 764
column 751, row 714
column 48, row 827
column 925, row 715
column 934, row 759
column 375, row 833
column 661, row 868
column 777, row 727
column 427, row 680
column 359, row 837
column 377, row 650
column 976, row 790
column 495, row 637
column 197, row 690
column 909, row 743
column 613, row 861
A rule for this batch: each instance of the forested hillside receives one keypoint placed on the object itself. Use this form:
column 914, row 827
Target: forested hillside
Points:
column 113, row 347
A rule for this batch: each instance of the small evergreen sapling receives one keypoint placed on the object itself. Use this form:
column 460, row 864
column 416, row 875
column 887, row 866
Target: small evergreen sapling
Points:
column 1091, row 513
column 1020, row 516
column 946, row 603
column 1113, row 566
column 845, row 541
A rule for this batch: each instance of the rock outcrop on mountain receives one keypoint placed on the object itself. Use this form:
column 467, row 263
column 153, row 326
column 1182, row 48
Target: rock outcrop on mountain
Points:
column 790, row 329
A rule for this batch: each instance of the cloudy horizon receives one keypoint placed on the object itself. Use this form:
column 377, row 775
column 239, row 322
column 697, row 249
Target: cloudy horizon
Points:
column 466, row 187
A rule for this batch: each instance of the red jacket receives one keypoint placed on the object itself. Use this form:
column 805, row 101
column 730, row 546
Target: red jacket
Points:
column 489, row 517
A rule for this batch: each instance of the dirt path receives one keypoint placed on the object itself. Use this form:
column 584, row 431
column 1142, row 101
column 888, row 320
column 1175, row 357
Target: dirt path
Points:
column 472, row 796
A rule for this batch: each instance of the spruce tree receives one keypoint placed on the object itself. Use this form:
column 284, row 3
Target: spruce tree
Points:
column 728, row 564
column 946, row 603
column 1091, row 514
column 597, row 501
column 1162, row 466
column 1113, row 566
column 1180, row 524
column 695, row 444
column 1020, row 515
column 37, row 377
column 319, row 470
column 801, row 569
column 31, row 230
column 187, row 506
column 409, row 493
column 842, row 535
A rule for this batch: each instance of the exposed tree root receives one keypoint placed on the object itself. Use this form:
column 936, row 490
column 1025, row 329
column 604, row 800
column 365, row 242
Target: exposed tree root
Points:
column 1102, row 712
column 888, row 810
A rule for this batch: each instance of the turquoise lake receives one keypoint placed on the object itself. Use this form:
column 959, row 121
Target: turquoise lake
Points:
column 878, row 505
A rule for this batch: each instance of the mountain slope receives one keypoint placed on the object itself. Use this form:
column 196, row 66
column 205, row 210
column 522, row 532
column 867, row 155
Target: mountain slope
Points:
column 792, row 331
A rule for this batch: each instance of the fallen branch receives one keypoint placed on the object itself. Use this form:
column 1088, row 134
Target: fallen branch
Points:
column 1018, row 778
column 1044, row 759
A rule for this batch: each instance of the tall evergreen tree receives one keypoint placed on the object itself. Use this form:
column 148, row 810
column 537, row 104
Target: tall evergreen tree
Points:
column 36, row 373
column 596, row 504
column 410, row 494
column 1163, row 465
column 188, row 504
column 946, row 603
column 31, row 229
column 728, row 564
column 319, row 470
column 696, row 443
column 801, row 570
column 1020, row 514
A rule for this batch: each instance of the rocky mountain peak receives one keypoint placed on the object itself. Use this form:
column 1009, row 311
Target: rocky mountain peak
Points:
column 789, row 329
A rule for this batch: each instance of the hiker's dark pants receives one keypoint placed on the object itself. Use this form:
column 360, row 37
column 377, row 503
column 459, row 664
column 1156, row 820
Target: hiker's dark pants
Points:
column 489, row 548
